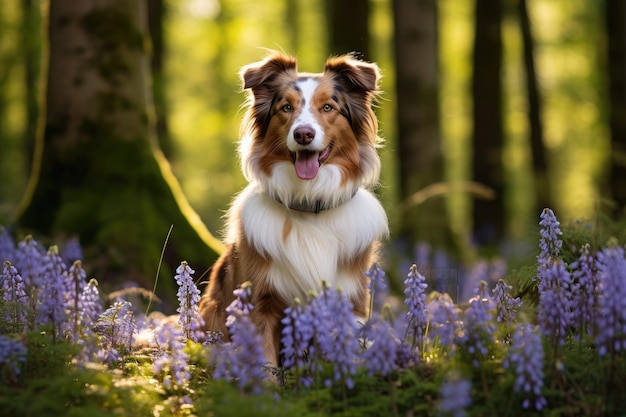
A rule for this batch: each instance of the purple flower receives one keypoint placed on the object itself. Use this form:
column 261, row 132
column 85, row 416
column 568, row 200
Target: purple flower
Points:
column 415, row 299
column 421, row 252
column 76, row 281
column 172, row 362
column 89, row 304
column 335, row 333
column 444, row 322
column 381, row 347
column 296, row 335
column 188, row 299
column 28, row 259
column 116, row 328
column 549, row 243
column 479, row 327
column 72, row 252
column 477, row 273
column 526, row 356
column 7, row 248
column 12, row 352
column 611, row 318
column 506, row 305
column 554, row 310
column 322, row 330
column 51, row 302
column 585, row 300
column 241, row 360
column 455, row 394
column 377, row 286
column 13, row 293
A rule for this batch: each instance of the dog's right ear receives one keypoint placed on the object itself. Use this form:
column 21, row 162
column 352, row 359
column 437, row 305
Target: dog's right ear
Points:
column 264, row 79
column 265, row 72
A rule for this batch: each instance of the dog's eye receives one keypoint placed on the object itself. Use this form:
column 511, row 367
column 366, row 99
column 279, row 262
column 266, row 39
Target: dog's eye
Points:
column 287, row 108
column 327, row 108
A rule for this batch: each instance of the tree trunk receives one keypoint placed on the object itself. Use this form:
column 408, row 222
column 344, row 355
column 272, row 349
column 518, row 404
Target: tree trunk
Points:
column 100, row 174
column 32, row 68
column 420, row 157
column 538, row 150
column 156, row 15
column 348, row 28
column 488, row 216
column 616, row 34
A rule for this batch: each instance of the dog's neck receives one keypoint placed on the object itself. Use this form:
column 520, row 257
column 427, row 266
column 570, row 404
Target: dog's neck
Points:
column 312, row 207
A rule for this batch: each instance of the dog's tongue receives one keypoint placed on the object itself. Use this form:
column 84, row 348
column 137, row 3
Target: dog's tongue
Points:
column 307, row 164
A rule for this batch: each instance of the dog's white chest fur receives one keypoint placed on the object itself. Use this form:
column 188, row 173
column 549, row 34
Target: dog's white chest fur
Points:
column 306, row 248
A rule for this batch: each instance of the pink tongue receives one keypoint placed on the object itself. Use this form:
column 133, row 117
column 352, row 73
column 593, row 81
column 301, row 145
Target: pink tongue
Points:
column 307, row 165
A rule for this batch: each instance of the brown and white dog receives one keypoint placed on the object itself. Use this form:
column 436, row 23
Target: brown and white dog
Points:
column 309, row 151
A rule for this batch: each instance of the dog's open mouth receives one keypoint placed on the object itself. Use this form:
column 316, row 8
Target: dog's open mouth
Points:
column 308, row 163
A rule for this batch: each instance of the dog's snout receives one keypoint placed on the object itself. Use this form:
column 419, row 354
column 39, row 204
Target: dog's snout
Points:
column 304, row 134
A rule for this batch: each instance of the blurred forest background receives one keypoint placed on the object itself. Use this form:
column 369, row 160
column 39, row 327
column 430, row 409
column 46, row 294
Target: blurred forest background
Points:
column 127, row 114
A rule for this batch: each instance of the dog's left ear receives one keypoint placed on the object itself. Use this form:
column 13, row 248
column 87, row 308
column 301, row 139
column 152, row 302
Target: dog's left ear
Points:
column 354, row 74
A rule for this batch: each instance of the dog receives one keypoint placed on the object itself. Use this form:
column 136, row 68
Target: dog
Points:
column 308, row 149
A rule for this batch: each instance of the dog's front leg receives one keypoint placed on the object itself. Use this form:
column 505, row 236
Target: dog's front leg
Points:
column 266, row 315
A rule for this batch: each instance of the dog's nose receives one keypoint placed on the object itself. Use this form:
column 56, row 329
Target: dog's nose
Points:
column 304, row 134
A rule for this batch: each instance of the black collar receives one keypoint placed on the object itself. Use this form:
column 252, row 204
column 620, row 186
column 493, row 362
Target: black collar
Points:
column 314, row 207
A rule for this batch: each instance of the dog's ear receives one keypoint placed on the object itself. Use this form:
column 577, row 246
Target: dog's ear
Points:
column 353, row 74
column 264, row 73
column 264, row 79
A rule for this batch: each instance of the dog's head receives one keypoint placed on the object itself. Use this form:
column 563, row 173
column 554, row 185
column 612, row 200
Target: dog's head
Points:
column 309, row 137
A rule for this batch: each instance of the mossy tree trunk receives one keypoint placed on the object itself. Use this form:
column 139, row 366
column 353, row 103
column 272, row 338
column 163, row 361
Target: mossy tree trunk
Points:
column 98, row 172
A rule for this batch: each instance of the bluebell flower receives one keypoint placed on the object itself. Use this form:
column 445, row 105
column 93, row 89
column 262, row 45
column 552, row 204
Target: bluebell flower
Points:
column 526, row 356
column 377, row 287
column 611, row 317
column 29, row 256
column 381, row 344
column 549, row 243
column 335, row 329
column 7, row 247
column 242, row 359
column 89, row 304
column 445, row 324
column 71, row 252
column 188, row 299
column 421, row 255
column 14, row 294
column 52, row 290
column 12, row 353
column 296, row 335
column 555, row 302
column 415, row 298
column 506, row 305
column 172, row 361
column 476, row 273
column 584, row 287
column 455, row 395
column 479, row 327
column 76, row 281
column 116, row 328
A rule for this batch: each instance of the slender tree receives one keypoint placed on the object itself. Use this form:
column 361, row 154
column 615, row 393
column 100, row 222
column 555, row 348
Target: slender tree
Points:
column 348, row 29
column 616, row 36
column 157, row 13
column 420, row 157
column 488, row 215
column 539, row 158
column 98, row 171
column 31, row 33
